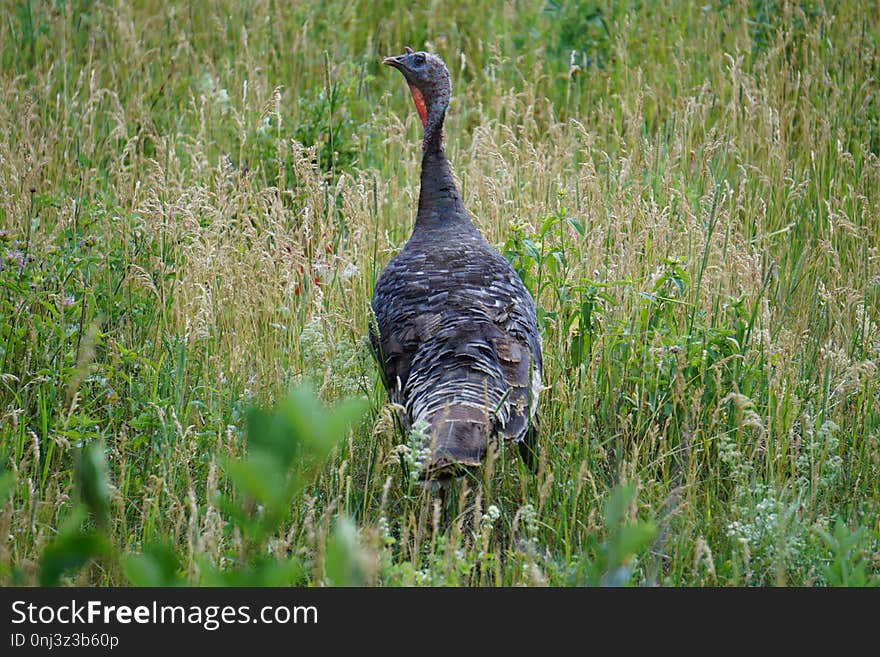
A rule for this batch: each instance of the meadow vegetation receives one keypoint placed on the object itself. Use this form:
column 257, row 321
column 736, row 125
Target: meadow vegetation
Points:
column 195, row 203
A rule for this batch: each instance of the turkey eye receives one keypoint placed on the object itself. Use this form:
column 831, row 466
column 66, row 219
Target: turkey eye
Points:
column 419, row 59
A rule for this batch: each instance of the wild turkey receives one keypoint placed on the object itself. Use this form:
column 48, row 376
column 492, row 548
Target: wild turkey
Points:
column 457, row 337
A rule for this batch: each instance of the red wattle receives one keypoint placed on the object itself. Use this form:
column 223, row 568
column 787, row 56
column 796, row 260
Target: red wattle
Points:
column 421, row 108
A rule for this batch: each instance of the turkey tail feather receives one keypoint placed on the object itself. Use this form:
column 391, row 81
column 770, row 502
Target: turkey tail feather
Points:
column 459, row 438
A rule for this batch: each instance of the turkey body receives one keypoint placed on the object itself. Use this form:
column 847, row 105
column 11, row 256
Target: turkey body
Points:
column 455, row 332
column 459, row 344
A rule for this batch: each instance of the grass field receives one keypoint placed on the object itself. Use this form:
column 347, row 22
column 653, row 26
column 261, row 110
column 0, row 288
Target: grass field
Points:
column 195, row 205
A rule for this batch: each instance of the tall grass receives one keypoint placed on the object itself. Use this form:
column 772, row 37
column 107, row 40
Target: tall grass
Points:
column 195, row 205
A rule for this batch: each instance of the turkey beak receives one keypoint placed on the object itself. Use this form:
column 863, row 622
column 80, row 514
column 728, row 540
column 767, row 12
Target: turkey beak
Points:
column 394, row 61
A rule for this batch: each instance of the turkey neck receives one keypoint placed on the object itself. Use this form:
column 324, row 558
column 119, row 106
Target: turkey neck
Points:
column 440, row 205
